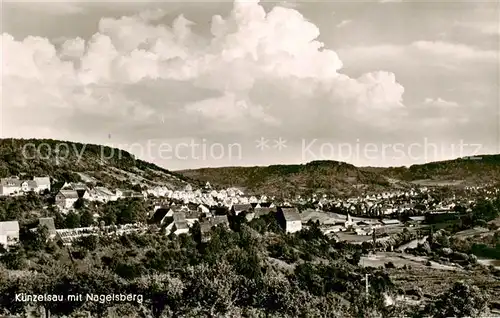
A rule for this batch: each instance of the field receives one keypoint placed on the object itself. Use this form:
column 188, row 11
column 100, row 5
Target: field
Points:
column 401, row 259
column 438, row 183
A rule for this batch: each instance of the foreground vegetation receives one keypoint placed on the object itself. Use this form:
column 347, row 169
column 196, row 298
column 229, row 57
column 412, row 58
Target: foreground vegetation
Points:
column 248, row 273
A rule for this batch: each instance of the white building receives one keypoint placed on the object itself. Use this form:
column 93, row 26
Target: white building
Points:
column 290, row 219
column 43, row 183
column 9, row 233
column 65, row 199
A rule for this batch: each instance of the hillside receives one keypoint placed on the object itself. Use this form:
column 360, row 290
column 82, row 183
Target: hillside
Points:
column 342, row 178
column 317, row 176
column 70, row 161
column 484, row 168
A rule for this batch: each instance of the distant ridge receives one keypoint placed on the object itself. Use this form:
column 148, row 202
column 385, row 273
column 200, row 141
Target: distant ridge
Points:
column 342, row 178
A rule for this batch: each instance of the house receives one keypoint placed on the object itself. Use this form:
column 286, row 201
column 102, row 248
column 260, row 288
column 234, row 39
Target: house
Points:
column 179, row 224
column 207, row 225
column 417, row 219
column 267, row 205
column 289, row 219
column 192, row 217
column 9, row 233
column 220, row 220
column 42, row 183
column 179, row 208
column 258, row 212
column 333, row 229
column 9, row 186
column 368, row 222
column 264, row 211
column 65, row 199
column 360, row 231
column 390, row 222
column 205, row 228
column 236, row 209
column 49, row 224
column 134, row 195
column 161, row 215
column 203, row 209
column 103, row 194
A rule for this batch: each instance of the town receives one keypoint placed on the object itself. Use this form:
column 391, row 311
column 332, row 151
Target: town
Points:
column 175, row 211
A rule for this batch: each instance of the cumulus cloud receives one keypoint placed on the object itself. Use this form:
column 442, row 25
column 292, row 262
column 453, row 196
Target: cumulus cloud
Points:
column 248, row 47
column 258, row 72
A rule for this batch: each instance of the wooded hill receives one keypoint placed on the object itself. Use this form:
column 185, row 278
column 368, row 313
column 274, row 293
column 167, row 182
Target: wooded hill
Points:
column 341, row 178
column 70, row 161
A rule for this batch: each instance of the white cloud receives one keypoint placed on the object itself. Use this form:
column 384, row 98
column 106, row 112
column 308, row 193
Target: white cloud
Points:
column 343, row 23
column 259, row 72
column 439, row 102
column 485, row 27
column 57, row 8
column 455, row 51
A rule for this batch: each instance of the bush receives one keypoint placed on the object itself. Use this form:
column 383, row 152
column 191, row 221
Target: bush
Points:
column 389, row 265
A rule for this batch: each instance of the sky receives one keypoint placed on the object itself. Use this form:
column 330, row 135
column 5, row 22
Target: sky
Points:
column 207, row 84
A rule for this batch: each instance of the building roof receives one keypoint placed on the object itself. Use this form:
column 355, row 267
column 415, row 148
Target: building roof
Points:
column 181, row 224
column 241, row 207
column 179, row 216
column 179, row 208
column 42, row 181
column 9, row 226
column 417, row 218
column 266, row 204
column 49, row 223
column 193, row 214
column 219, row 219
column 206, row 226
column 69, row 194
column 263, row 211
column 390, row 221
column 104, row 190
column 10, row 182
column 32, row 183
column 290, row 214
column 158, row 216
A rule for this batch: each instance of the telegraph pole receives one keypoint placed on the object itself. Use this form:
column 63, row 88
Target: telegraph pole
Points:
column 366, row 286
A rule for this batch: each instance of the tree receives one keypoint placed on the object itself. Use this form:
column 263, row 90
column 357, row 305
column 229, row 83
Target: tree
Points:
column 72, row 220
column 86, row 218
column 356, row 257
column 14, row 258
column 461, row 300
column 79, row 204
column 88, row 242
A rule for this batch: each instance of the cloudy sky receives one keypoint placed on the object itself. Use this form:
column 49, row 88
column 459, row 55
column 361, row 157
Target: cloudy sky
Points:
column 206, row 83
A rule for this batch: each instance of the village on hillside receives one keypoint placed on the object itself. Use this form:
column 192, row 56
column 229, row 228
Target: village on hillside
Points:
column 369, row 218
